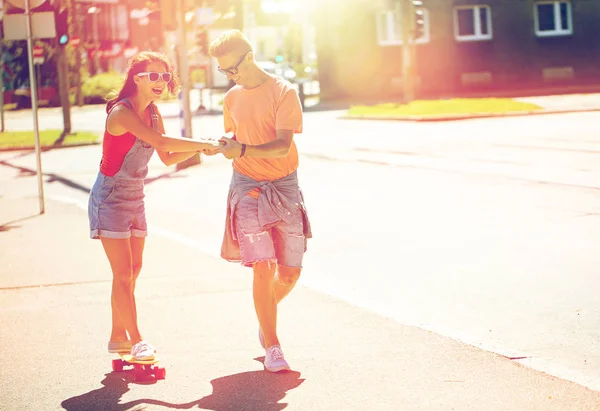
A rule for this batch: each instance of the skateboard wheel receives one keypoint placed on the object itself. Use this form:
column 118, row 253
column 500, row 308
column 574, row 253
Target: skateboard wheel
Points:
column 117, row 365
column 160, row 373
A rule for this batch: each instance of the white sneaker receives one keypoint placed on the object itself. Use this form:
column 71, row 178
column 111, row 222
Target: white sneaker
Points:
column 143, row 351
column 274, row 360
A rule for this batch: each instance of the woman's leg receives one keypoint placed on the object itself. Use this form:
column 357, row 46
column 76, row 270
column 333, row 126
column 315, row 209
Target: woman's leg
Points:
column 119, row 253
column 137, row 251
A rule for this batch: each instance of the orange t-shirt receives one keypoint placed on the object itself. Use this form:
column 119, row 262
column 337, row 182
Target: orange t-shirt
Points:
column 254, row 116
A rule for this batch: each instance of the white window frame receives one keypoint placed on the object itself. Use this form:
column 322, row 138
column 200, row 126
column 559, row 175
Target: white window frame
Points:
column 389, row 31
column 558, row 31
column 478, row 35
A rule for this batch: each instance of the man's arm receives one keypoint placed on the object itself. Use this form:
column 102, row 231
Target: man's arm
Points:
column 280, row 147
column 288, row 122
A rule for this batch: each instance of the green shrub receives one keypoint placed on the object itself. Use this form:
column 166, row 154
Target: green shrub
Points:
column 96, row 88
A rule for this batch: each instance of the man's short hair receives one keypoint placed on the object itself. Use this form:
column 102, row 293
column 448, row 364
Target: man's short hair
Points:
column 232, row 41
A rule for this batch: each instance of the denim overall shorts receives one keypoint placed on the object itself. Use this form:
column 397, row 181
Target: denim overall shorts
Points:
column 116, row 204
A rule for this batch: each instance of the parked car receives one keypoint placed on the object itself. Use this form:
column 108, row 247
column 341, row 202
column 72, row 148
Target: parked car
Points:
column 279, row 69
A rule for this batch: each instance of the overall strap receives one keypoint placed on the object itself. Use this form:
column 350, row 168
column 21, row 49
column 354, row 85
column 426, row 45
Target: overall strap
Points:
column 124, row 101
column 127, row 102
column 154, row 116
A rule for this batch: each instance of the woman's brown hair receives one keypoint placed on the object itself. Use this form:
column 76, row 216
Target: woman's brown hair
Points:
column 138, row 64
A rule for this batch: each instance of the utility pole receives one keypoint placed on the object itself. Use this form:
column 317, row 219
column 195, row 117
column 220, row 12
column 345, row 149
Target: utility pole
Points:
column 184, row 74
column 404, row 13
column 34, row 104
column 1, row 86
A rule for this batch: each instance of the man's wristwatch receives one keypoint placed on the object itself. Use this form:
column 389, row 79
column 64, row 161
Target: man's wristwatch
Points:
column 243, row 150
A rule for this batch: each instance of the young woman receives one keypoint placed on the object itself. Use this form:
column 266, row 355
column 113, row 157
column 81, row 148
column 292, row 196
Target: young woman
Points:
column 134, row 130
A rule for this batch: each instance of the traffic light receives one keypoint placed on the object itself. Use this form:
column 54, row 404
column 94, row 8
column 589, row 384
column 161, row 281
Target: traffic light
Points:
column 419, row 23
column 419, row 19
column 61, row 20
column 202, row 40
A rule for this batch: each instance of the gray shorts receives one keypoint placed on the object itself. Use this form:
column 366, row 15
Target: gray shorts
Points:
column 283, row 242
column 116, row 208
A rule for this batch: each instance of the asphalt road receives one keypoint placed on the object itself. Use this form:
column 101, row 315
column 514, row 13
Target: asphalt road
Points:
column 485, row 231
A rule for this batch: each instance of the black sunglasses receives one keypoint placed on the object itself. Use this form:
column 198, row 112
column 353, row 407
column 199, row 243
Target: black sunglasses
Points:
column 234, row 69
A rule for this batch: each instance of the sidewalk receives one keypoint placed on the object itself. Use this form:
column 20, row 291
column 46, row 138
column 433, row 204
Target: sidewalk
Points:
column 54, row 298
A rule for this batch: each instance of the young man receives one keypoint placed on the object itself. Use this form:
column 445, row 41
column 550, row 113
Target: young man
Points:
column 267, row 224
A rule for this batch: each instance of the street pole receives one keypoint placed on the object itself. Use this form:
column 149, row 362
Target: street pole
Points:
column 34, row 105
column 403, row 9
column 63, row 87
column 184, row 74
column 2, row 88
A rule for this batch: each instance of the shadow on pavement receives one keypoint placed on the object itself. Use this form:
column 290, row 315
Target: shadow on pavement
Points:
column 10, row 225
column 251, row 390
column 105, row 398
column 27, row 172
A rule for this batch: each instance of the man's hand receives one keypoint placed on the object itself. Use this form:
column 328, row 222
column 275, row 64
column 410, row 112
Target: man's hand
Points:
column 215, row 149
column 210, row 152
column 231, row 149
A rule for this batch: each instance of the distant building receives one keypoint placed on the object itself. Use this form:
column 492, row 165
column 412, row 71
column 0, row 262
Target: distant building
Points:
column 466, row 45
column 112, row 30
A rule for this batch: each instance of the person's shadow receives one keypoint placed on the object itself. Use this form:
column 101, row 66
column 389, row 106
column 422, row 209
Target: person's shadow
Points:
column 251, row 390
column 105, row 398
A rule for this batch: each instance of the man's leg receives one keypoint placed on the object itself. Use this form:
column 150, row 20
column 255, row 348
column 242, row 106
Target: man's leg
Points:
column 290, row 244
column 285, row 280
column 264, row 300
column 266, row 311
column 257, row 250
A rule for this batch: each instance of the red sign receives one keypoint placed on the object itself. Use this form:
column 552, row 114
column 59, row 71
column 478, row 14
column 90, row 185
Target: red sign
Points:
column 75, row 41
column 38, row 55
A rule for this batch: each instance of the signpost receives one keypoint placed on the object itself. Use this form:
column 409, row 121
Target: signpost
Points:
column 1, row 88
column 185, row 112
column 34, row 106
column 34, row 95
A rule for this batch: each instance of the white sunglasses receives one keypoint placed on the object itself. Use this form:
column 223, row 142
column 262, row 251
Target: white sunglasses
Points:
column 154, row 76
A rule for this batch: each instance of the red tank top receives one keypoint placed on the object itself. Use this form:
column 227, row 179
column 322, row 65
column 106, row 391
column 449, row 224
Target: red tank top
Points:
column 114, row 150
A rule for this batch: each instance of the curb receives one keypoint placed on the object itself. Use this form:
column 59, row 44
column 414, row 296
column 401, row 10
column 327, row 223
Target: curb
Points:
column 48, row 148
column 422, row 119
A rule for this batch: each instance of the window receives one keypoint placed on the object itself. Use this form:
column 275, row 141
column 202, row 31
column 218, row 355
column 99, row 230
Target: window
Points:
column 389, row 31
column 473, row 23
column 553, row 18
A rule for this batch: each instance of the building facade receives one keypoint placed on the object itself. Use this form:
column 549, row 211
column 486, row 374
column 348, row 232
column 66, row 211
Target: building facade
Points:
column 112, row 30
column 466, row 45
